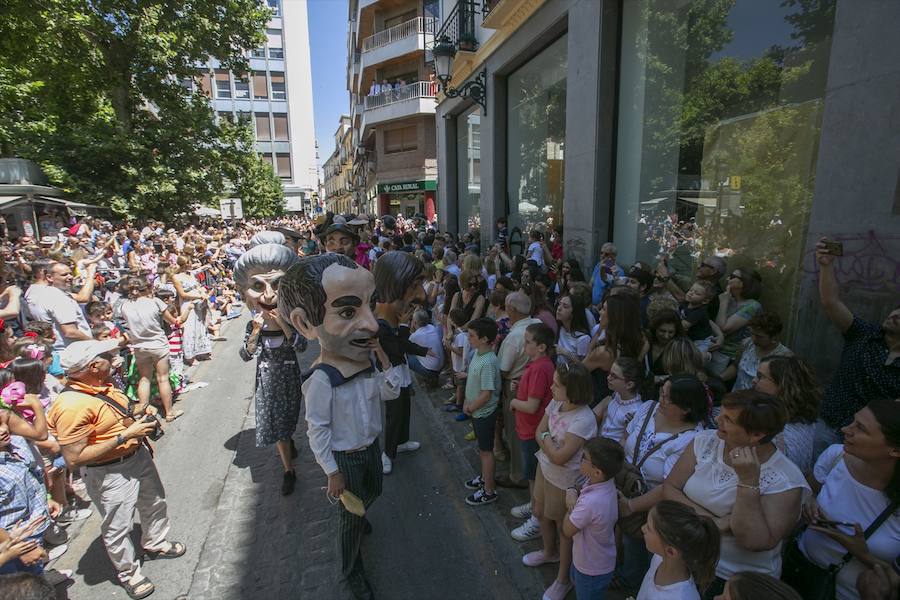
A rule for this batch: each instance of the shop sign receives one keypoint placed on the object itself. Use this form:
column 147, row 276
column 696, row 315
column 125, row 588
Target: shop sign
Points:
column 406, row 186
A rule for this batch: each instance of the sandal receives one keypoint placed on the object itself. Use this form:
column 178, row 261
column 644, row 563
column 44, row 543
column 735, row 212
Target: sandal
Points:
column 174, row 415
column 143, row 588
column 175, row 550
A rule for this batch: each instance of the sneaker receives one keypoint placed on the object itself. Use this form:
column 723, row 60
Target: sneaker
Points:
column 55, row 535
column 470, row 437
column 409, row 446
column 481, row 497
column 523, row 511
column 56, row 551
column 475, row 484
column 537, row 558
column 70, row 514
column 529, row 530
column 557, row 590
column 386, row 464
column 462, row 417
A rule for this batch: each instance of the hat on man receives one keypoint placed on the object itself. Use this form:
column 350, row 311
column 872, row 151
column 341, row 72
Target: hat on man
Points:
column 77, row 356
column 290, row 233
column 360, row 219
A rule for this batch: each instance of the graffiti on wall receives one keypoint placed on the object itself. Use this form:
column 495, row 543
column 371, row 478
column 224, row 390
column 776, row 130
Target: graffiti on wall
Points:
column 871, row 261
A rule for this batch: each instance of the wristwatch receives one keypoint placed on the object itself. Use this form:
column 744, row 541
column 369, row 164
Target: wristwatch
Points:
column 120, row 439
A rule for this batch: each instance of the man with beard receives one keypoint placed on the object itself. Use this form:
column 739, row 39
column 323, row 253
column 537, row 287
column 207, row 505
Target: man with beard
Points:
column 275, row 345
column 329, row 297
column 50, row 299
column 870, row 362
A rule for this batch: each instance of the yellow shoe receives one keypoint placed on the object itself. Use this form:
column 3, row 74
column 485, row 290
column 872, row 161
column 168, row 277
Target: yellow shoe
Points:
column 470, row 437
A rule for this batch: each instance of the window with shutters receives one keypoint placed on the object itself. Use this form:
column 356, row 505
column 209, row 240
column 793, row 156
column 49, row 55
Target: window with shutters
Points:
column 241, row 87
column 400, row 140
column 281, row 127
column 273, row 41
column 267, row 156
column 206, row 85
column 223, row 84
column 262, row 127
column 283, row 165
column 278, row 88
column 260, row 88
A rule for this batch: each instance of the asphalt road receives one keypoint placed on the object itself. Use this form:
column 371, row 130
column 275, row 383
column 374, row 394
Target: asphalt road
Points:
column 246, row 541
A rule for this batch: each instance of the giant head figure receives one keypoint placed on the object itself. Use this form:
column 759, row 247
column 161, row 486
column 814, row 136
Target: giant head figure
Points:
column 328, row 297
column 258, row 273
column 399, row 279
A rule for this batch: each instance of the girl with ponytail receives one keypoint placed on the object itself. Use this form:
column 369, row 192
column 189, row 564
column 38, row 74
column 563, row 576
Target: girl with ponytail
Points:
column 685, row 547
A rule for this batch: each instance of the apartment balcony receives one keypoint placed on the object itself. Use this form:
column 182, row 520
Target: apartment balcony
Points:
column 407, row 101
column 397, row 41
column 458, row 27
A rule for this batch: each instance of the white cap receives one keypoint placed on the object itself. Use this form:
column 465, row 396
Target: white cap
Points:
column 78, row 355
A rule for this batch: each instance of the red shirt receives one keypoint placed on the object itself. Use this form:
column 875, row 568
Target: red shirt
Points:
column 535, row 383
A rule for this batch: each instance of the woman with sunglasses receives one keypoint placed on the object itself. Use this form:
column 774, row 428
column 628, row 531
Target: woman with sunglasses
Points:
column 738, row 304
column 737, row 476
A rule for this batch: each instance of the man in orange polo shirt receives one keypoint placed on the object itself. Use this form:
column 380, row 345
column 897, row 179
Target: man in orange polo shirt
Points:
column 97, row 428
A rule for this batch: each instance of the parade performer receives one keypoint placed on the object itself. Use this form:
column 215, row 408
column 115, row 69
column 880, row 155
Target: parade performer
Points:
column 275, row 345
column 328, row 297
column 399, row 278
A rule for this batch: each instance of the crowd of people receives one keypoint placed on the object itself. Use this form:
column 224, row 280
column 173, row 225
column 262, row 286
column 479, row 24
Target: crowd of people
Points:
column 671, row 445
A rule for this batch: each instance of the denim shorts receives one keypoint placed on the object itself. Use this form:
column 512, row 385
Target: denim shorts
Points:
column 529, row 460
column 484, row 431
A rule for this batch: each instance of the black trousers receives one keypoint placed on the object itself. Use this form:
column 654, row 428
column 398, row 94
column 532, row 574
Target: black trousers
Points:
column 362, row 476
column 396, row 427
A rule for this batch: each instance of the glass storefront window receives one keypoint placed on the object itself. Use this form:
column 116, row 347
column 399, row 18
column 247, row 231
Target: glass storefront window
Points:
column 720, row 110
column 536, row 138
column 468, row 169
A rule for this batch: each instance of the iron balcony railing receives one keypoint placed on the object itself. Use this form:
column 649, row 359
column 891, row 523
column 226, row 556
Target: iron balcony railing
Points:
column 459, row 26
column 416, row 26
column 487, row 6
column 419, row 89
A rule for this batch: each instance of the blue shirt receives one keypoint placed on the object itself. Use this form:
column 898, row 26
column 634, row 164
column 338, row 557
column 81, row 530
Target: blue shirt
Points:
column 22, row 493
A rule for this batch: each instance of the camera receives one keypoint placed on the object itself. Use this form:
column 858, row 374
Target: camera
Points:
column 157, row 432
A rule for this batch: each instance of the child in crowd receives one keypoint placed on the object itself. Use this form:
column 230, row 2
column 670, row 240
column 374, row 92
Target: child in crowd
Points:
column 173, row 334
column 497, row 311
column 503, row 234
column 591, row 518
column 614, row 412
column 100, row 332
column 568, row 422
column 482, row 397
column 100, row 314
column 694, row 313
column 532, row 397
column 459, row 358
column 42, row 331
column 685, row 549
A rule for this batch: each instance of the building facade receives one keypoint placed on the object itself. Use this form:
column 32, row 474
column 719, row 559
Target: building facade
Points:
column 746, row 129
column 338, row 170
column 392, row 106
column 276, row 96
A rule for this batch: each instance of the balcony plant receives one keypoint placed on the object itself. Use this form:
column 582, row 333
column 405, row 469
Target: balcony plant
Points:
column 468, row 42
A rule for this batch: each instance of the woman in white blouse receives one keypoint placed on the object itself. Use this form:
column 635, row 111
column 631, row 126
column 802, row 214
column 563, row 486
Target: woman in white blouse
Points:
column 654, row 439
column 857, row 481
column 736, row 475
column 574, row 332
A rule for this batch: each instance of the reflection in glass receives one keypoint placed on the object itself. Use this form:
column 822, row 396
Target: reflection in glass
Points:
column 720, row 106
column 536, row 138
column 468, row 168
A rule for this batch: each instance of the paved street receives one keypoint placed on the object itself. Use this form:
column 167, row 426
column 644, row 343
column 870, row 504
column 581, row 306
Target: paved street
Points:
column 246, row 541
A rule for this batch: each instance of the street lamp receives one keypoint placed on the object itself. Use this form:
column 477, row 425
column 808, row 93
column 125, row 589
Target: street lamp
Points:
column 476, row 90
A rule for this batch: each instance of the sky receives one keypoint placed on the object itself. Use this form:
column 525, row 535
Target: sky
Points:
column 328, row 53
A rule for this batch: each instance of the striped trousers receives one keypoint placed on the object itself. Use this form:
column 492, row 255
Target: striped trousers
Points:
column 362, row 476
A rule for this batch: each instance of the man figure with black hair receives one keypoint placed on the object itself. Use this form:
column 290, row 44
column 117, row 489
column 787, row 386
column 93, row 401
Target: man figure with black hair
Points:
column 398, row 280
column 328, row 297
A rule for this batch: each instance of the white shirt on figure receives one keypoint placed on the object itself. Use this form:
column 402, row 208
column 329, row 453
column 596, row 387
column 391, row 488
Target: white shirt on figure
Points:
column 682, row 590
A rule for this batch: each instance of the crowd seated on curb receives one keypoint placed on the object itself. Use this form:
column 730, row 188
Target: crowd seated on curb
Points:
column 670, row 444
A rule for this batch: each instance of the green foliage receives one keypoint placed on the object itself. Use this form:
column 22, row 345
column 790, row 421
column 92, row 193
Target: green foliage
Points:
column 91, row 91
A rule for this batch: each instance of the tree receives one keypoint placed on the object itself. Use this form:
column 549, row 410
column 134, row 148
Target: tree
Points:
column 92, row 90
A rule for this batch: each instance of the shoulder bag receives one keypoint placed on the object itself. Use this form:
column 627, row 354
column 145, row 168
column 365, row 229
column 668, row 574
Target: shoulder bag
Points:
column 631, row 482
column 812, row 581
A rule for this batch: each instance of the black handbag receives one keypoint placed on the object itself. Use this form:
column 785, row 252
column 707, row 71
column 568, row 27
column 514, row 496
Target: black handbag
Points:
column 812, row 581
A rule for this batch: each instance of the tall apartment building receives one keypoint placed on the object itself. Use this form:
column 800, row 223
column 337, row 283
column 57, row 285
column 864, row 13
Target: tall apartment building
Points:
column 338, row 170
column 277, row 96
column 392, row 105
